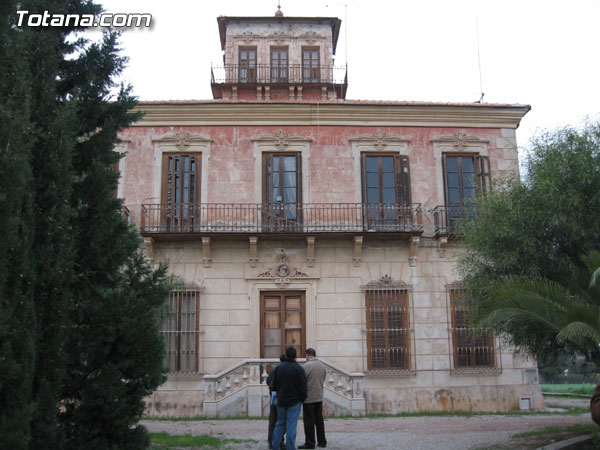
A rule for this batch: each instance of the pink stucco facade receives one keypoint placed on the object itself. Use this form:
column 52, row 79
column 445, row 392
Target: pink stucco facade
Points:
column 258, row 277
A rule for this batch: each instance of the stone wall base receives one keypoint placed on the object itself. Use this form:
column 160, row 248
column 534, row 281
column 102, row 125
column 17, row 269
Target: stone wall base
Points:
column 378, row 400
column 397, row 400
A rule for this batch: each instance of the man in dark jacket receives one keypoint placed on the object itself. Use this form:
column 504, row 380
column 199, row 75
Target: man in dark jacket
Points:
column 289, row 381
column 273, row 406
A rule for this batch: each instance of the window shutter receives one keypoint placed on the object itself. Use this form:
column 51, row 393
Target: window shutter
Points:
column 363, row 177
column 402, row 180
column 299, row 178
column 267, row 178
column 193, row 169
column 485, row 181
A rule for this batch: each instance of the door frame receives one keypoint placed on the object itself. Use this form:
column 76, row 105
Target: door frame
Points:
column 282, row 294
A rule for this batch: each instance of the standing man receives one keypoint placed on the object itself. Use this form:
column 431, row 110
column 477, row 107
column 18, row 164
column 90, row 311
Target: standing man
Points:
column 313, row 405
column 273, row 406
column 289, row 381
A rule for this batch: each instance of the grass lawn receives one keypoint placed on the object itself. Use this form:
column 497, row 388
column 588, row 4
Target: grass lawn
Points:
column 585, row 389
column 165, row 441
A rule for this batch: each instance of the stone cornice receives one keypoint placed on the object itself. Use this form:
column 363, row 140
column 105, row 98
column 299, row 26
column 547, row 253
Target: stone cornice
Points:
column 330, row 114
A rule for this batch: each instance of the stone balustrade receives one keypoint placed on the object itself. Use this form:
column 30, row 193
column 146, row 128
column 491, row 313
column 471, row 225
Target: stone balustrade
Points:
column 244, row 385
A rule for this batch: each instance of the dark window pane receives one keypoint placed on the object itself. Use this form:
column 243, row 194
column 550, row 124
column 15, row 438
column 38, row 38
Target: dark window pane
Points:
column 389, row 195
column 451, row 164
column 289, row 163
column 467, row 164
column 454, row 196
column 373, row 195
column 289, row 179
column 276, row 195
column 371, row 164
column 289, row 195
column 468, row 180
column 372, row 179
column 388, row 180
column 453, row 180
column 387, row 163
column 275, row 163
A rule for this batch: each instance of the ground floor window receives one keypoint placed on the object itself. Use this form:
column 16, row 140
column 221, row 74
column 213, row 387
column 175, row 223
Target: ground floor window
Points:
column 387, row 329
column 471, row 347
column 179, row 327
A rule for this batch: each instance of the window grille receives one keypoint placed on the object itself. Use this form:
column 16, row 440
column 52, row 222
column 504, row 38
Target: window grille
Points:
column 472, row 348
column 180, row 329
column 387, row 329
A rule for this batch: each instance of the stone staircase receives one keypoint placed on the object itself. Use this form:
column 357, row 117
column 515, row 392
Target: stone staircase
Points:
column 241, row 390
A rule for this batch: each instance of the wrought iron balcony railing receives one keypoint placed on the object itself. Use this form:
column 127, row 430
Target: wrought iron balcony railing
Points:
column 448, row 219
column 280, row 218
column 278, row 74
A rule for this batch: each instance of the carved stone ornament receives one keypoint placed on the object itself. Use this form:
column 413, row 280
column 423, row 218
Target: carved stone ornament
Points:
column 310, row 37
column 380, row 140
column 282, row 139
column 279, row 36
column 182, row 138
column 386, row 279
column 385, row 282
column 460, row 140
column 247, row 36
column 282, row 272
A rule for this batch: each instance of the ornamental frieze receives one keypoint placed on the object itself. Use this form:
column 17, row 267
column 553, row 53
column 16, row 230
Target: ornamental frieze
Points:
column 460, row 140
column 282, row 272
column 379, row 140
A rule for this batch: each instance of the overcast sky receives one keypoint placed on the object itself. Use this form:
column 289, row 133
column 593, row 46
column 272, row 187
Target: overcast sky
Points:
column 544, row 53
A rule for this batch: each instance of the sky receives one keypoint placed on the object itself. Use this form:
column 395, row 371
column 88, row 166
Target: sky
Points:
column 543, row 53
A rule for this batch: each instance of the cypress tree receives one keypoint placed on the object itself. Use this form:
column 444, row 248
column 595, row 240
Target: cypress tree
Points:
column 79, row 304
column 17, row 319
column 117, row 298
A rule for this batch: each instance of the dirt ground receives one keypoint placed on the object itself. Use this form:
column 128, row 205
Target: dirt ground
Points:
column 450, row 433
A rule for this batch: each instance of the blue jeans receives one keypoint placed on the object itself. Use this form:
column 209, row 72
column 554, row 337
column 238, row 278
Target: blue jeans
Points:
column 287, row 419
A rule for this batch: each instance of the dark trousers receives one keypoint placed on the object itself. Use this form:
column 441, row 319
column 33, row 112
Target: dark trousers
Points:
column 313, row 418
column 272, row 422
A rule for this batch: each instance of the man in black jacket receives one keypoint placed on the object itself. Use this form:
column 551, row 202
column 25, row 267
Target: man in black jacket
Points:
column 289, row 381
column 273, row 406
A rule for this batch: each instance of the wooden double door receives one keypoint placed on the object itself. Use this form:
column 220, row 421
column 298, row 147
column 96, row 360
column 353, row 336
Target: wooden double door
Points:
column 282, row 323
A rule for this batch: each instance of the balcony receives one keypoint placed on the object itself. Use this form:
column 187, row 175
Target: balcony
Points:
column 267, row 74
column 280, row 218
column 448, row 220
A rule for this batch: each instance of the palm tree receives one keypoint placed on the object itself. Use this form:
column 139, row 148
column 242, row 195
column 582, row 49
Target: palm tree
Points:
column 567, row 312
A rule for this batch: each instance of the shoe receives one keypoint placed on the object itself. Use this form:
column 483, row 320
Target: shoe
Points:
column 306, row 446
column 322, row 445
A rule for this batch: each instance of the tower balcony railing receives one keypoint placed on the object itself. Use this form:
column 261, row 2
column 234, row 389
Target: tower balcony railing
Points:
column 278, row 74
column 283, row 218
column 448, row 220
